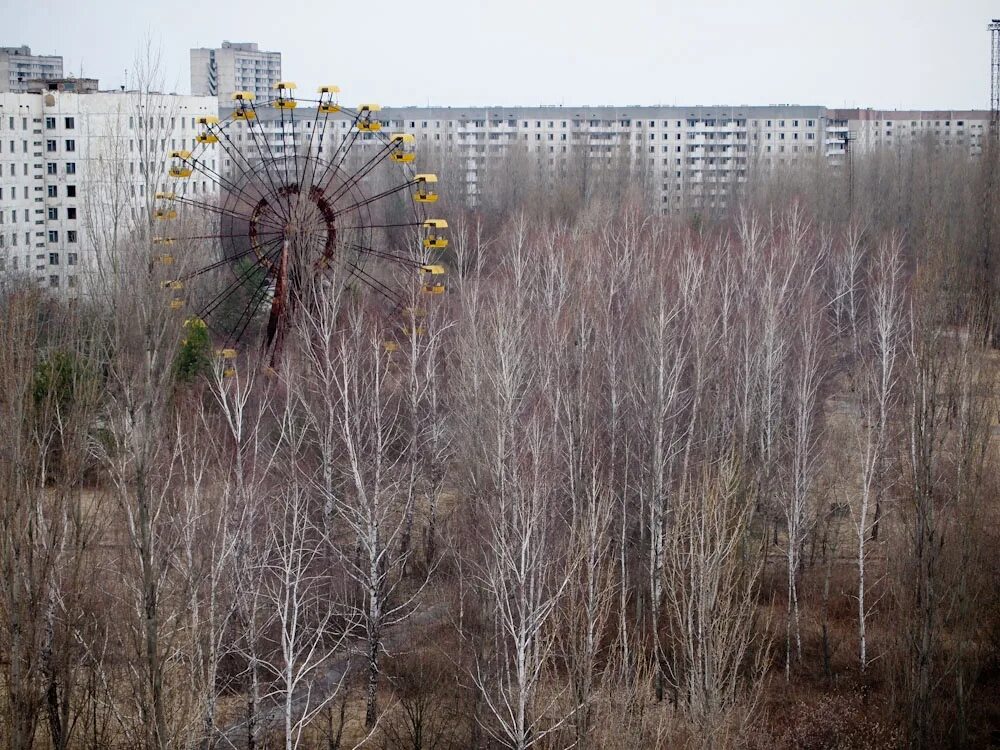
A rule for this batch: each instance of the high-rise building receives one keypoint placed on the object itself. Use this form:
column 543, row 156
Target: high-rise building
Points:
column 680, row 157
column 79, row 169
column 18, row 66
column 235, row 66
column 869, row 129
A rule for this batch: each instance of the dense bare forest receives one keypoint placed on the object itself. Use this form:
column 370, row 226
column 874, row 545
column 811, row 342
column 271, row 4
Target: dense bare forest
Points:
column 717, row 480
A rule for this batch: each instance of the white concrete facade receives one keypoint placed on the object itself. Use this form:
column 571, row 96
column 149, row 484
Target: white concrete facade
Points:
column 687, row 157
column 865, row 130
column 235, row 66
column 70, row 162
column 18, row 66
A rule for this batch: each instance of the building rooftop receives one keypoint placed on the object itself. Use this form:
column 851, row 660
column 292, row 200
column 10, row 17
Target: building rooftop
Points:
column 73, row 85
column 242, row 46
column 24, row 51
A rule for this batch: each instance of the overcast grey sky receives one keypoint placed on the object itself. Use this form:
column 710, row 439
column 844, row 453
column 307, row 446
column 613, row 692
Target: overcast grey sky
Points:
column 879, row 53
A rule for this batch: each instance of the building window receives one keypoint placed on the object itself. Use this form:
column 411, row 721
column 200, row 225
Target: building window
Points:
column 53, row 259
column 50, row 123
column 50, row 145
column 71, row 191
column 71, row 236
column 53, row 214
column 70, row 123
column 71, row 167
column 71, row 259
column 70, row 144
column 71, row 212
column 54, row 281
column 53, row 191
column 50, row 168
column 53, row 235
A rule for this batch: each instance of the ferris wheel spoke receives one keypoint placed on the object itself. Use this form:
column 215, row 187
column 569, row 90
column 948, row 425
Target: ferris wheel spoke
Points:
column 267, row 160
column 295, row 150
column 226, row 333
column 312, row 132
column 249, row 311
column 214, row 176
column 362, row 172
column 333, row 161
column 209, row 207
column 385, row 226
column 236, row 155
column 225, row 261
column 220, row 236
column 240, row 281
column 247, row 175
column 322, row 137
column 374, row 198
column 389, row 256
column 337, row 158
column 257, row 294
column 370, row 281
column 270, row 156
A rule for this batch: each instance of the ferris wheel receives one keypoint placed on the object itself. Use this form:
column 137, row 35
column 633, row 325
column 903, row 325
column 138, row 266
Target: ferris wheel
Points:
column 290, row 208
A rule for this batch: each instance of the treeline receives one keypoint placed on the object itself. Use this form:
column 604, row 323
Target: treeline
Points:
column 634, row 481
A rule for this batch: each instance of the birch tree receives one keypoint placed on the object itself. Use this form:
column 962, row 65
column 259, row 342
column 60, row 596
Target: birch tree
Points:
column 878, row 396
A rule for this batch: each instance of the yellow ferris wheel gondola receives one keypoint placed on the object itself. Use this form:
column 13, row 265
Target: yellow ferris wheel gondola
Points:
column 329, row 106
column 365, row 123
column 402, row 148
column 423, row 195
column 207, row 136
column 433, row 240
column 285, row 99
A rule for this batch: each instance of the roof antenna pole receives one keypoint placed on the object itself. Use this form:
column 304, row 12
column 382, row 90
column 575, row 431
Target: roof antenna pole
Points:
column 995, row 78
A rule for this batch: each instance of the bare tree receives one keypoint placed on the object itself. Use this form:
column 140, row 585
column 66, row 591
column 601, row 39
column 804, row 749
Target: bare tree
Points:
column 349, row 376
column 525, row 577
column 50, row 398
column 296, row 592
column 803, row 435
column 878, row 395
column 713, row 576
